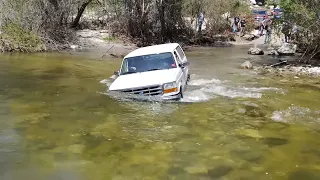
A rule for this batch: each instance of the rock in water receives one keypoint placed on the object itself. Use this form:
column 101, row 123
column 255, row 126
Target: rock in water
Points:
column 273, row 53
column 246, row 65
column 255, row 51
column 249, row 37
column 287, row 49
column 75, row 47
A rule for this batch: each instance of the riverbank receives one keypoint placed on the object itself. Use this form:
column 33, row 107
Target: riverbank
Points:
column 118, row 47
column 290, row 70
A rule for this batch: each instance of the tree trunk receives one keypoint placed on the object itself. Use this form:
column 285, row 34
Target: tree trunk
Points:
column 75, row 23
column 162, row 20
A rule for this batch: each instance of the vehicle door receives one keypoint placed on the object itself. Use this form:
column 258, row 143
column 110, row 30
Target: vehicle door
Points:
column 182, row 63
column 184, row 60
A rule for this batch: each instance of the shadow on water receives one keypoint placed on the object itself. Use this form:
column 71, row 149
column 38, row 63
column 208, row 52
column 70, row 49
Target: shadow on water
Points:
column 57, row 123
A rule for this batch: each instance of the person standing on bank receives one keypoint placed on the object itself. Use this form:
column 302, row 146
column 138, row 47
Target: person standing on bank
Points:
column 235, row 24
column 261, row 25
column 201, row 20
column 243, row 26
column 268, row 31
column 286, row 31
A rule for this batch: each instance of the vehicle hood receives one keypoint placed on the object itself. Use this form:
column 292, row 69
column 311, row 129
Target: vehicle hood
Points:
column 149, row 78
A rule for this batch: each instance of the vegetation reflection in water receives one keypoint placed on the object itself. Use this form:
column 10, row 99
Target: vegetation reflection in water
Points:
column 72, row 131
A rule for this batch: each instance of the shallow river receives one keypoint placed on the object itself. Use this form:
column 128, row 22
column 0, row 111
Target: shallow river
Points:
column 57, row 122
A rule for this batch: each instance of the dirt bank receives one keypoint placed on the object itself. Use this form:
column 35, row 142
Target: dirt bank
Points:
column 102, row 40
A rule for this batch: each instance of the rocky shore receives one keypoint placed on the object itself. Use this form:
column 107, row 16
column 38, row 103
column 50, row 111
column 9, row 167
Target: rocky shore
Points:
column 290, row 70
column 118, row 48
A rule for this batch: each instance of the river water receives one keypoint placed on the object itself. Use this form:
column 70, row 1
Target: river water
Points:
column 57, row 122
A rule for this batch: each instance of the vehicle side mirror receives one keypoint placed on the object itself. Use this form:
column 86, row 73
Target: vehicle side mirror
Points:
column 117, row 73
column 184, row 64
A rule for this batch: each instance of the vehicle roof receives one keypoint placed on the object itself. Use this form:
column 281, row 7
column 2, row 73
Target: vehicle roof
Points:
column 156, row 49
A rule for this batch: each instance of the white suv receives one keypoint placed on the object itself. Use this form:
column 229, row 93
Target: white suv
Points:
column 160, row 71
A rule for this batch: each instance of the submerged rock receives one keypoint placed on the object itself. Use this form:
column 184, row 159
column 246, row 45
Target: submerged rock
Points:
column 287, row 49
column 75, row 47
column 272, row 141
column 247, row 65
column 176, row 170
column 219, row 171
column 250, row 156
column 255, row 51
column 197, row 170
column 304, row 174
column 252, row 133
column 273, row 53
column 76, row 148
column 253, row 110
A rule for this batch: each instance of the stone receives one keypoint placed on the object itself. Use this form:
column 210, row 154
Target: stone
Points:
column 252, row 133
column 176, row 170
column 249, row 37
column 273, row 141
column 219, row 171
column 76, row 148
column 75, row 47
column 250, row 156
column 255, row 51
column 246, row 65
column 287, row 49
column 273, row 53
column 304, row 174
column 253, row 110
column 197, row 170
column 241, row 111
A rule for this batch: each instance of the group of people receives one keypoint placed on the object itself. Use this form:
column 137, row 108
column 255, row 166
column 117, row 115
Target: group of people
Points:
column 289, row 30
column 239, row 25
column 265, row 24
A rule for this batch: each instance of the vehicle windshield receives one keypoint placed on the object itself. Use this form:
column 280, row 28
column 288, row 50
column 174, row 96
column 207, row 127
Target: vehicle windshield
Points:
column 150, row 62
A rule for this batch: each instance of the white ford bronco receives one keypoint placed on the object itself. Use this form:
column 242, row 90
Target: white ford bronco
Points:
column 160, row 71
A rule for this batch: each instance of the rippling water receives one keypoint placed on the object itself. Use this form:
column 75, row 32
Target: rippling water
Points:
column 58, row 122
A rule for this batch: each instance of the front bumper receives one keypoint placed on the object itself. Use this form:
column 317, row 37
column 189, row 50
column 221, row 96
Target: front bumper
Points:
column 172, row 97
column 129, row 96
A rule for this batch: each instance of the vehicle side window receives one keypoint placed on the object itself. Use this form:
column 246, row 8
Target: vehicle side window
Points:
column 180, row 52
column 177, row 57
column 124, row 66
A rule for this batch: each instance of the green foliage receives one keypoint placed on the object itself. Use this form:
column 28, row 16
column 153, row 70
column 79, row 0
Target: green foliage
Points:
column 110, row 38
column 15, row 38
column 303, row 13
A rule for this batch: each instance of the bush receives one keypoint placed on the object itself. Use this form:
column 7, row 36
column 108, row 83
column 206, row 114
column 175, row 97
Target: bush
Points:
column 305, row 15
column 14, row 38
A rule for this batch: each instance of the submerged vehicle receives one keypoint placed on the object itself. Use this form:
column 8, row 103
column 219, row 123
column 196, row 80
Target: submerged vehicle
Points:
column 160, row 71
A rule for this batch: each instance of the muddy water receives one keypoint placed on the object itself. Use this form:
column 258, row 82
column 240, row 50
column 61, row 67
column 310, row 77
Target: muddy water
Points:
column 57, row 123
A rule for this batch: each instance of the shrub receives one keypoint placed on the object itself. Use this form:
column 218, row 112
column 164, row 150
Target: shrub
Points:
column 14, row 38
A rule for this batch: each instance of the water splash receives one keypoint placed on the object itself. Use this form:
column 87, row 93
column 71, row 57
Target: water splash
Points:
column 206, row 89
column 296, row 115
column 200, row 90
column 107, row 82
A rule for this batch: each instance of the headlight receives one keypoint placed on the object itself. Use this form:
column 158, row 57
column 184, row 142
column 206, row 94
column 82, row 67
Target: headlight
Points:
column 170, row 87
